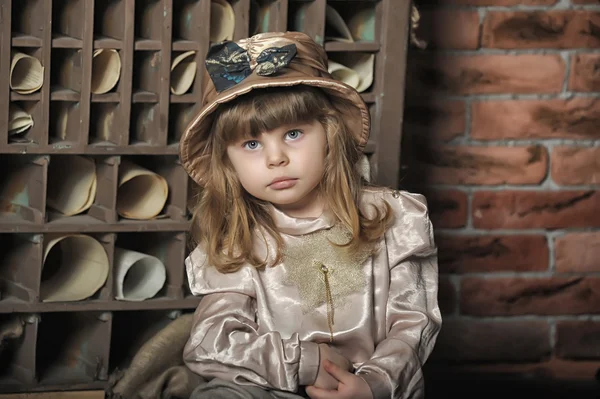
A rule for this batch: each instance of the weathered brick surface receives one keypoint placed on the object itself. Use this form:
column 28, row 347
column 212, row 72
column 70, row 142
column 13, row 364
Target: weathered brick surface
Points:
column 585, row 73
column 541, row 29
column 482, row 165
column 577, row 118
column 576, row 165
column 447, row 298
column 536, row 209
column 448, row 28
column 485, row 74
column 440, row 120
column 530, row 296
column 578, row 252
column 475, row 340
column 496, row 253
column 525, row 75
column 578, row 339
column 447, row 208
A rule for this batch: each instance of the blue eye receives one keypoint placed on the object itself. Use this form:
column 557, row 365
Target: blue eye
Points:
column 294, row 134
column 251, row 145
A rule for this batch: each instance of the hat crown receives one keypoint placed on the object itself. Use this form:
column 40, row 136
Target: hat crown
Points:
column 307, row 49
column 309, row 57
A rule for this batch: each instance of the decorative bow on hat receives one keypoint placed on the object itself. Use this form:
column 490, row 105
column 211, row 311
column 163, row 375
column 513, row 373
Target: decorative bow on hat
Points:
column 228, row 64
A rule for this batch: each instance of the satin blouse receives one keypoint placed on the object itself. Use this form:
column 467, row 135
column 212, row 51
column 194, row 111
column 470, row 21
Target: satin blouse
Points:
column 263, row 327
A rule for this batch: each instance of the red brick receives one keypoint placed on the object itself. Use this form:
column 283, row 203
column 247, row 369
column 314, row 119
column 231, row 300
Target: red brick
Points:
column 536, row 209
column 585, row 73
column 585, row 1
column 446, row 295
column 522, row 119
column 576, row 165
column 447, row 208
column 578, row 252
column 482, row 165
column 450, row 29
column 530, row 296
column 498, row 340
column 541, row 29
column 499, row 3
column 578, row 339
column 497, row 253
column 440, row 120
column 485, row 74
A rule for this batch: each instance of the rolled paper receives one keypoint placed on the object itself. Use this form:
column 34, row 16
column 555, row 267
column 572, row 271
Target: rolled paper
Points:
column 182, row 118
column 142, row 194
column 67, row 119
column 106, row 70
column 362, row 64
column 79, row 266
column 138, row 276
column 362, row 25
column 336, row 28
column 222, row 21
column 105, row 119
column 183, row 72
column 71, row 184
column 344, row 74
column 18, row 120
column 26, row 73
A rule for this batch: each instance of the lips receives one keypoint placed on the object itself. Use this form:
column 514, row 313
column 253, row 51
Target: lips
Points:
column 281, row 183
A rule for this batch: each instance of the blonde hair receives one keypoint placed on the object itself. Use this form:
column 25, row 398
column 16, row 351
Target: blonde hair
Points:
column 226, row 216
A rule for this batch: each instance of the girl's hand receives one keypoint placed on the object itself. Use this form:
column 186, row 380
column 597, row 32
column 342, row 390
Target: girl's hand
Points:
column 350, row 386
column 328, row 354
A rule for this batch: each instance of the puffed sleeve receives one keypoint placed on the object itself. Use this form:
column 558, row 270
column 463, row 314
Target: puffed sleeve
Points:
column 225, row 341
column 413, row 317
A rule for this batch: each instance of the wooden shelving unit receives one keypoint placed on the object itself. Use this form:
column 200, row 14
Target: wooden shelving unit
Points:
column 76, row 345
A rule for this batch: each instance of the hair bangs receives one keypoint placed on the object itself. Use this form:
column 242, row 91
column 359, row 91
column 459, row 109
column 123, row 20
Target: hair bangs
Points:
column 263, row 110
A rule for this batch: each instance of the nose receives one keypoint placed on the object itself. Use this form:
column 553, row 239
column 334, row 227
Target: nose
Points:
column 276, row 156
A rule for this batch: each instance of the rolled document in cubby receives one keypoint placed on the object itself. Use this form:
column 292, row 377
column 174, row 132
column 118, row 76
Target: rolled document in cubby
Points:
column 183, row 72
column 26, row 73
column 106, row 70
column 344, row 74
column 71, row 184
column 222, row 21
column 75, row 266
column 138, row 276
column 142, row 194
column 361, row 64
column 362, row 24
column 18, row 120
column 336, row 28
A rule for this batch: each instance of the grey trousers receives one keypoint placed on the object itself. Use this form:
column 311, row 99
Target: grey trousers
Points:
column 221, row 389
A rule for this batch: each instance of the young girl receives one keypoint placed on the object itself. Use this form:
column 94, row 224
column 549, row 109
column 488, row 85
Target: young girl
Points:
column 312, row 282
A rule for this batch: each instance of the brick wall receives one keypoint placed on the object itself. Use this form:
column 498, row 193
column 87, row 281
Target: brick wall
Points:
column 502, row 133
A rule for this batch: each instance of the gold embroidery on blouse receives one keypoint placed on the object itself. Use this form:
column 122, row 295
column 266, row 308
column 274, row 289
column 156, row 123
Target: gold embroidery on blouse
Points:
column 324, row 273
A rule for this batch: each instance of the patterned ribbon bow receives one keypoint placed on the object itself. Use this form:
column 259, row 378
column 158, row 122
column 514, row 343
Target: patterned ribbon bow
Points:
column 228, row 64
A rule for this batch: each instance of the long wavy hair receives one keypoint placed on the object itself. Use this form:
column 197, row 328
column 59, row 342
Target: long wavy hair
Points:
column 226, row 217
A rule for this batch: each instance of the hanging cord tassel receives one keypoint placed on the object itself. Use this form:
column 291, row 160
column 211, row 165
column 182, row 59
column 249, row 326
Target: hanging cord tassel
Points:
column 329, row 300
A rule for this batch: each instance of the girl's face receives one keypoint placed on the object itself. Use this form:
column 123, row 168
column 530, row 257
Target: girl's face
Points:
column 284, row 166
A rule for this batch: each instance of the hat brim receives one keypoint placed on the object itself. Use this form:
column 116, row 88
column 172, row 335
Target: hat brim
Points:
column 347, row 101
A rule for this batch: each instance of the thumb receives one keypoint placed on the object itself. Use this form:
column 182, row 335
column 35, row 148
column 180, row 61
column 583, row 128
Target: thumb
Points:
column 337, row 372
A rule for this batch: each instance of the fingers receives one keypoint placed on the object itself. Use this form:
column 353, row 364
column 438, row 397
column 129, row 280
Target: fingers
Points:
column 336, row 372
column 319, row 393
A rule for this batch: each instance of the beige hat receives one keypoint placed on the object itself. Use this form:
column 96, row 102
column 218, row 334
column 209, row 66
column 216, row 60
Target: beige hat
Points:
column 273, row 59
